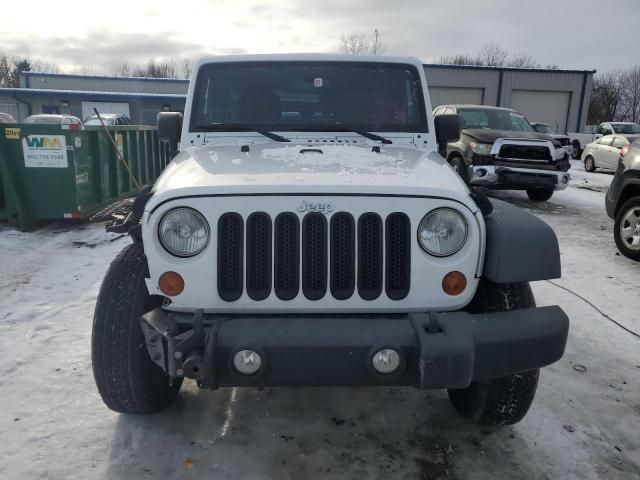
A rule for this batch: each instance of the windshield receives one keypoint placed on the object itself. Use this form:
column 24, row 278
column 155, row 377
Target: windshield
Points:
column 627, row 128
column 305, row 96
column 542, row 128
column 493, row 118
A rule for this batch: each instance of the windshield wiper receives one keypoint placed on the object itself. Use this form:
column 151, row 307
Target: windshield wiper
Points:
column 235, row 127
column 347, row 128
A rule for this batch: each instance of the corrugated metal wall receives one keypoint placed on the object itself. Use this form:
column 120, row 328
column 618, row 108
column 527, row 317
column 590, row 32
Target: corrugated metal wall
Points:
column 499, row 84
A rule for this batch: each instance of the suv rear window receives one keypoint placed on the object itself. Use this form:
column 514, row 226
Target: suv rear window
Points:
column 309, row 96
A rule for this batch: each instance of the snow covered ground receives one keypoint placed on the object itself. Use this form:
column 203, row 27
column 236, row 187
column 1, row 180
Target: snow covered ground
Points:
column 584, row 423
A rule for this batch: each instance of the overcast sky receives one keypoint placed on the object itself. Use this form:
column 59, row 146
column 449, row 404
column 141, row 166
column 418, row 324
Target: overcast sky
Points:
column 580, row 34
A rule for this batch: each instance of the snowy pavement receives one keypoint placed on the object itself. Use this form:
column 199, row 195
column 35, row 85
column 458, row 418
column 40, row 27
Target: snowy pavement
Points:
column 584, row 423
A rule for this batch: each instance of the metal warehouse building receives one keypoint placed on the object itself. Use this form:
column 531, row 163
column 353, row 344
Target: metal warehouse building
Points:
column 139, row 98
column 558, row 97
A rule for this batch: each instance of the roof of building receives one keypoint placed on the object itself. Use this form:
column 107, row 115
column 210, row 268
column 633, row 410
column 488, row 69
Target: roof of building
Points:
column 103, row 77
column 25, row 92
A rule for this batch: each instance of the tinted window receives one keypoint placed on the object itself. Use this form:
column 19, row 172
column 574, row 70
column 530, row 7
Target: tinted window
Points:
column 305, row 96
column 628, row 129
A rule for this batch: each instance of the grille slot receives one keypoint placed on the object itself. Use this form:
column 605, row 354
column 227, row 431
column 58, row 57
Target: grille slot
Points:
column 287, row 256
column 259, row 265
column 525, row 152
column 343, row 255
column 314, row 256
column 398, row 256
column 370, row 256
column 230, row 253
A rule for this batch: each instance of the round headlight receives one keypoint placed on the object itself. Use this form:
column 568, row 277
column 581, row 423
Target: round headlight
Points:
column 442, row 232
column 183, row 232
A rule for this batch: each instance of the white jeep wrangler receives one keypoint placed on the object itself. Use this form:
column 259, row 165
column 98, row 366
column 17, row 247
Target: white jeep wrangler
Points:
column 310, row 233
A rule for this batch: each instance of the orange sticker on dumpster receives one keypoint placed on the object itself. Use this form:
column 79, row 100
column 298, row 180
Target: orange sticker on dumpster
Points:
column 12, row 133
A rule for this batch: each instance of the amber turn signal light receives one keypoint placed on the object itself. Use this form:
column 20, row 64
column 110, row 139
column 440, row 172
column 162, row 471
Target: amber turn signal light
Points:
column 454, row 283
column 171, row 284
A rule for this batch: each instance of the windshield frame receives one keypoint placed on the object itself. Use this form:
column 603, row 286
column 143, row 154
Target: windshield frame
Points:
column 421, row 127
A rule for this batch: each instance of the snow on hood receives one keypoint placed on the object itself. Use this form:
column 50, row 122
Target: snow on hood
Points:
column 299, row 168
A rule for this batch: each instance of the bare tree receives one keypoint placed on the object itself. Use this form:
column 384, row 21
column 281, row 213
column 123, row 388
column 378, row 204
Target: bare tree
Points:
column 523, row 60
column 6, row 72
column 606, row 98
column 630, row 94
column 493, row 55
column 354, row 44
column 460, row 60
column 187, row 66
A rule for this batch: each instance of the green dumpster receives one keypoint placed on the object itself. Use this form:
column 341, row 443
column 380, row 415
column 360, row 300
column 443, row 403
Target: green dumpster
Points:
column 48, row 172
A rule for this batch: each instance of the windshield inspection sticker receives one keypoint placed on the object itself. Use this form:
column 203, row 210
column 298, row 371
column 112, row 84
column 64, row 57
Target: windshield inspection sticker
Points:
column 12, row 133
column 45, row 151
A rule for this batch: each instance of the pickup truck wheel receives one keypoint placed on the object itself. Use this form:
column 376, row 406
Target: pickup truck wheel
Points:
column 589, row 164
column 540, row 194
column 626, row 230
column 458, row 165
column 126, row 377
column 575, row 151
column 504, row 400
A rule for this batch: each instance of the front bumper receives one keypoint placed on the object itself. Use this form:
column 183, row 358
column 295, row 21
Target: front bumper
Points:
column 437, row 350
column 510, row 178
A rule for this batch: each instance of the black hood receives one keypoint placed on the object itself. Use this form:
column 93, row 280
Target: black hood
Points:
column 489, row 135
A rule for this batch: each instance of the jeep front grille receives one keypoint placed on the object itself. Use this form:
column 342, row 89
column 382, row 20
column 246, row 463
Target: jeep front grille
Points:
column 314, row 255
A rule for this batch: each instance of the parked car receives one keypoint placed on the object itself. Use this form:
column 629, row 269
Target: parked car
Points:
column 622, row 201
column 604, row 153
column 498, row 148
column 337, row 248
column 53, row 119
column 561, row 138
column 108, row 119
column 580, row 140
column 6, row 118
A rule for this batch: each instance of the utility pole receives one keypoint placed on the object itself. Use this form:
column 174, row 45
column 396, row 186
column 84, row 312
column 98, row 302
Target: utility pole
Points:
column 375, row 42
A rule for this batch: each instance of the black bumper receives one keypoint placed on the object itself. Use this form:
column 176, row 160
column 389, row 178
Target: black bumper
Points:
column 445, row 350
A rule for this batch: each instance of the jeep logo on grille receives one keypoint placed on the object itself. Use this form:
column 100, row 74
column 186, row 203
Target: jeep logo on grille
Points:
column 322, row 207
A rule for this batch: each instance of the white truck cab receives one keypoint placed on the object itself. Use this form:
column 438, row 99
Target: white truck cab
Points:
column 309, row 232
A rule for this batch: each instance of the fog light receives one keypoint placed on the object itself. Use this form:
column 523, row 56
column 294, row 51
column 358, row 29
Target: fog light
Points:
column 386, row 361
column 247, row 361
column 481, row 172
column 565, row 179
column 454, row 283
column 171, row 284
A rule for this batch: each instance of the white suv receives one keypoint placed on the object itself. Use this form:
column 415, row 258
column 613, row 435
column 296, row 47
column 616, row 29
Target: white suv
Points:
column 309, row 232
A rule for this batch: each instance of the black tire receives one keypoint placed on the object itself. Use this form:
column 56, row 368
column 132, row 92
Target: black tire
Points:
column 576, row 151
column 589, row 164
column 126, row 377
column 628, row 208
column 539, row 194
column 458, row 165
column 503, row 400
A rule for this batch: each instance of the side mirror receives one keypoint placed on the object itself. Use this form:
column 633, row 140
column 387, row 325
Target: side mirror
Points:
column 447, row 130
column 170, row 128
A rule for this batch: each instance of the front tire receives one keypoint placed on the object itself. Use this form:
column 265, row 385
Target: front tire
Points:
column 576, row 151
column 589, row 164
column 126, row 377
column 504, row 400
column 626, row 230
column 539, row 194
